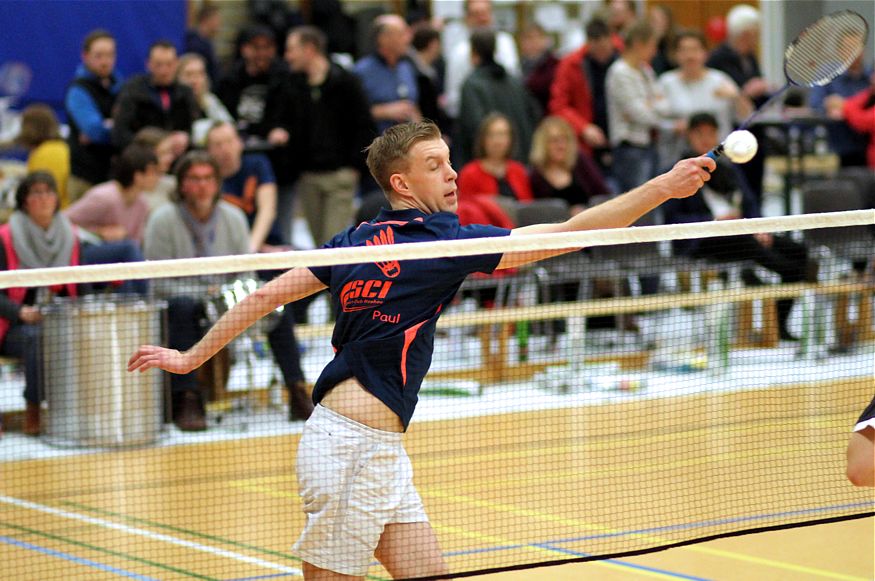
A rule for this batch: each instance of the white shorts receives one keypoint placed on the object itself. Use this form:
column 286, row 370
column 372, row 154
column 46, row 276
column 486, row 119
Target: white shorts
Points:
column 353, row 481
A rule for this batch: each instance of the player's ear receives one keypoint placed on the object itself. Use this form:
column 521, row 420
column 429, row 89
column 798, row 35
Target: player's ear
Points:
column 398, row 183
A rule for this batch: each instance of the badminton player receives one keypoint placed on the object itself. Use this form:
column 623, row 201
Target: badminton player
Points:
column 861, row 449
column 354, row 476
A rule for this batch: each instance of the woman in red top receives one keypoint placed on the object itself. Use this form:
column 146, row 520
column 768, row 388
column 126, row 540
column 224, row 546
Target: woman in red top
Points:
column 493, row 179
column 860, row 115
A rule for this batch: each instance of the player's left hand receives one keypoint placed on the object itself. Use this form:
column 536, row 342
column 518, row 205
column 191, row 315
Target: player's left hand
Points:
column 149, row 356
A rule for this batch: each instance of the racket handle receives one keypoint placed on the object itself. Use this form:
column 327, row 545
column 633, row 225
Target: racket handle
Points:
column 715, row 153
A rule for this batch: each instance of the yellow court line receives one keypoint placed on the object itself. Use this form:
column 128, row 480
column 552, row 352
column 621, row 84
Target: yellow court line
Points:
column 500, row 507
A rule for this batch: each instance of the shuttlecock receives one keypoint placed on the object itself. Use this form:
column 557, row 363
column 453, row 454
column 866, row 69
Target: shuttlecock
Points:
column 740, row 146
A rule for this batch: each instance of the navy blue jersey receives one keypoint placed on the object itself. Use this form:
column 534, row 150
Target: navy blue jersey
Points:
column 387, row 311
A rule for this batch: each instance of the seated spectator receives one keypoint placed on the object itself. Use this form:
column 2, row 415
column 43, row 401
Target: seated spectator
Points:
column 200, row 224
column 199, row 40
column 490, row 89
column 192, row 72
column 859, row 112
column 724, row 198
column 37, row 235
column 41, row 136
column 538, row 63
column 248, row 183
column 88, row 103
column 560, row 170
column 694, row 88
column 155, row 100
column 492, row 174
column 829, row 100
column 165, row 145
column 117, row 209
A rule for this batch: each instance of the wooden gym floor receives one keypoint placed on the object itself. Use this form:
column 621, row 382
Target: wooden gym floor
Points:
column 500, row 489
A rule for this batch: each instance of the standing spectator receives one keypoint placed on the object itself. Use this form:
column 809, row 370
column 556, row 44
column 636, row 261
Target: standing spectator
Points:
column 737, row 57
column 635, row 109
column 561, row 170
column 117, row 210
column 661, row 19
column 694, row 88
column 334, row 127
column 578, row 91
column 201, row 224
column 248, row 183
column 492, row 172
column 192, row 73
column 199, row 40
column 89, row 105
column 388, row 77
column 155, row 99
column 829, row 100
column 538, row 62
column 621, row 15
column 859, row 111
column 41, row 136
column 457, row 52
column 491, row 89
column 425, row 53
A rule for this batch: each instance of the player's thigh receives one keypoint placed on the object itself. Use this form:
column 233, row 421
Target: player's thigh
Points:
column 410, row 550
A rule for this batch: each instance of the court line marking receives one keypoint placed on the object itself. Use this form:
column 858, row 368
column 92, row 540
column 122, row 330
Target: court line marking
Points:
column 75, row 559
column 627, row 564
column 500, row 507
column 20, row 503
column 119, row 554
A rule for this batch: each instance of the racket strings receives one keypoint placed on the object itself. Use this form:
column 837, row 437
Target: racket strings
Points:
column 826, row 49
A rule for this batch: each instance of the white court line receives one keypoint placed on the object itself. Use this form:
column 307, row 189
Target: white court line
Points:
column 148, row 534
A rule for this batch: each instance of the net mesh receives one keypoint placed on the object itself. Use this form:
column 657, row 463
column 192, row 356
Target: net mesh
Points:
column 666, row 385
column 826, row 49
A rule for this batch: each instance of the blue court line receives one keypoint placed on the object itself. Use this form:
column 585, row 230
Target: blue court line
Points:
column 73, row 558
column 550, row 547
column 681, row 526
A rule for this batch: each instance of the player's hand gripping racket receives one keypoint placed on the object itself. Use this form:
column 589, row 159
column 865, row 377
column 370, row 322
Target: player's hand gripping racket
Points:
column 821, row 52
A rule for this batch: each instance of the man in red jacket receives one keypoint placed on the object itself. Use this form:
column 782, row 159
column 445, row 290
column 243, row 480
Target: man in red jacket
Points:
column 860, row 115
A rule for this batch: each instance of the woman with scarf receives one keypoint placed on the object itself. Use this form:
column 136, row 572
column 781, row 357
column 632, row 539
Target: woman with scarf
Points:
column 37, row 235
column 200, row 224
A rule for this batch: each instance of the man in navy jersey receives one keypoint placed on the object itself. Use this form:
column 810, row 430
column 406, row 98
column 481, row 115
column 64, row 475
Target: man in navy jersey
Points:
column 354, row 477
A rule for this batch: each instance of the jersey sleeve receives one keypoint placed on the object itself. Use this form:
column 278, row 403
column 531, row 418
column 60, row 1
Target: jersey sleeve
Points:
column 485, row 263
column 323, row 273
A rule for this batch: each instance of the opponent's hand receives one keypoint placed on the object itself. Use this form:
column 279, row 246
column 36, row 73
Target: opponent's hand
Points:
column 149, row 356
column 688, row 176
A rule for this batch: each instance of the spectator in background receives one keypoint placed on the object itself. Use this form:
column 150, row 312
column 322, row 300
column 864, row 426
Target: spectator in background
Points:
column 117, row 210
column 829, row 100
column 247, row 183
column 661, row 19
column 492, row 173
column 201, row 224
column 40, row 135
column 457, row 52
column 89, row 106
column 155, row 99
column 635, row 109
column 425, row 54
column 859, row 112
column 388, row 77
column 561, row 170
column 490, row 89
column 192, row 72
column 163, row 144
column 694, row 88
column 333, row 128
column 620, row 16
column 737, row 57
column 538, row 62
column 578, row 91
column 199, row 40
column 725, row 198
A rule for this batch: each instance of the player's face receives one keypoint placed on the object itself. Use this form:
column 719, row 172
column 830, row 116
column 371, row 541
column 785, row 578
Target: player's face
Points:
column 430, row 176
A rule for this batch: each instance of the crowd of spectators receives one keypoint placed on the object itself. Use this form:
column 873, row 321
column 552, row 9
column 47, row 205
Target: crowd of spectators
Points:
column 288, row 119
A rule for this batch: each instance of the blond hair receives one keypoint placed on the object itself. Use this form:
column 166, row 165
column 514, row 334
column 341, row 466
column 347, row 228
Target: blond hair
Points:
column 538, row 157
column 387, row 154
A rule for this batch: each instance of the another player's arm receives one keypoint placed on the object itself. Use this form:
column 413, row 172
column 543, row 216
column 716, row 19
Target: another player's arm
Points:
column 291, row 286
column 265, row 201
column 684, row 179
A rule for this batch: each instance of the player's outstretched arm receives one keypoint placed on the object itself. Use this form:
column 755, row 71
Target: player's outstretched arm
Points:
column 293, row 285
column 685, row 179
